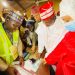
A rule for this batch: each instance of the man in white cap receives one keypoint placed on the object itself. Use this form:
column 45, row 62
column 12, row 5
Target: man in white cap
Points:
column 67, row 10
column 58, row 41
column 67, row 7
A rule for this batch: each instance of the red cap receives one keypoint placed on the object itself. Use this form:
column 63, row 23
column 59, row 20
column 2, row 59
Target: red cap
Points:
column 46, row 11
column 34, row 9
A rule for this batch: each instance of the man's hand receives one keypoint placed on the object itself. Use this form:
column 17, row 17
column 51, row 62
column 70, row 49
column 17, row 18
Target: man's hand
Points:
column 38, row 55
column 33, row 49
column 21, row 59
column 11, row 71
column 67, row 18
column 44, row 61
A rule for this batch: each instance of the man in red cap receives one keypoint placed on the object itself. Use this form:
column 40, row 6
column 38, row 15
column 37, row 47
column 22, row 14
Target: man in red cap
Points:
column 58, row 41
column 48, row 19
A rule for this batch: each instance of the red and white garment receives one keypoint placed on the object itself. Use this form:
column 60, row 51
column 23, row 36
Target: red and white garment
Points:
column 63, row 56
column 49, row 37
column 60, row 46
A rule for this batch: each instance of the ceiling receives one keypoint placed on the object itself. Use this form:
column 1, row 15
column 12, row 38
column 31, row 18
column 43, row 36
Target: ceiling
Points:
column 22, row 5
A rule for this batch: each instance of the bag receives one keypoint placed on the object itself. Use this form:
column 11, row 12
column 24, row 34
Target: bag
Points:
column 22, row 71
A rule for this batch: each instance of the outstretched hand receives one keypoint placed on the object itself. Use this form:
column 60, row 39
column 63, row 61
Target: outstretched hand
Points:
column 21, row 59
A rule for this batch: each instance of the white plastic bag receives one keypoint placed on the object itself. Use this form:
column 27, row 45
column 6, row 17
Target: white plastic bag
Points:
column 23, row 71
column 32, row 66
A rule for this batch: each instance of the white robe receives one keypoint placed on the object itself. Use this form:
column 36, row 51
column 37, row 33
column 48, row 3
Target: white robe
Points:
column 49, row 37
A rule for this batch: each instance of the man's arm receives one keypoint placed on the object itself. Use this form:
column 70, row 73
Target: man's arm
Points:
column 3, row 65
column 20, row 52
column 20, row 48
column 40, row 45
column 33, row 42
column 40, row 33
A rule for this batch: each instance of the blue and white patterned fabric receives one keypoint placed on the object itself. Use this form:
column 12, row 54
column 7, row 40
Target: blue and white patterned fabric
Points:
column 71, row 26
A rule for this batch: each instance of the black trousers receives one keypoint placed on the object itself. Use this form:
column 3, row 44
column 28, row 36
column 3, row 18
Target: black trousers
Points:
column 52, row 72
column 3, row 73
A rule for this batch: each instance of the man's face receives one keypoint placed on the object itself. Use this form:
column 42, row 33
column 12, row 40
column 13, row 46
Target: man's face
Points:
column 12, row 24
column 36, row 16
column 67, row 18
column 49, row 22
column 31, row 28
